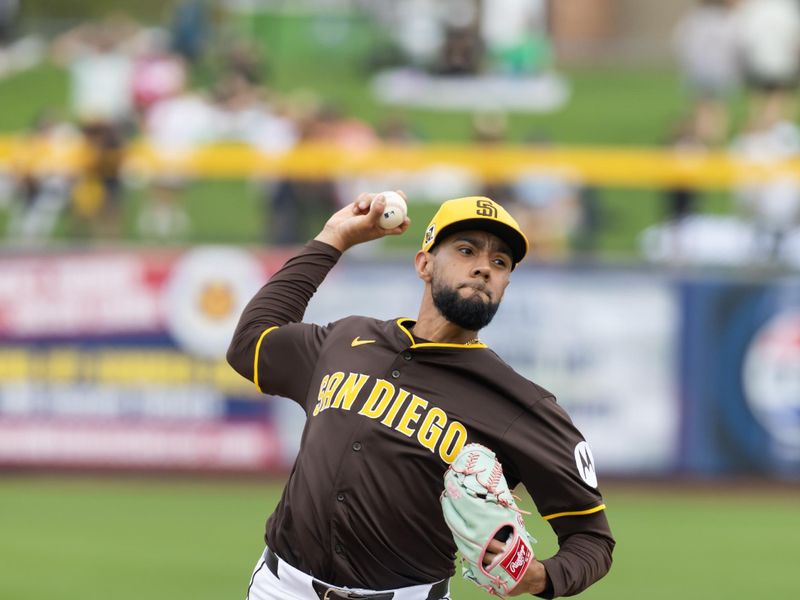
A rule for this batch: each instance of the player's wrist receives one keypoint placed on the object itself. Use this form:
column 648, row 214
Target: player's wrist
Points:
column 332, row 239
column 534, row 581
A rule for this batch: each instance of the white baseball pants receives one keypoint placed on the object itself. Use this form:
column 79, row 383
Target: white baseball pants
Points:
column 292, row 584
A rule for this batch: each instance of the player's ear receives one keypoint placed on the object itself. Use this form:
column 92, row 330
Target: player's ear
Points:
column 423, row 262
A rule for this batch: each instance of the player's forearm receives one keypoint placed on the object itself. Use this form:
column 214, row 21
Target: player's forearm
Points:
column 581, row 560
column 282, row 300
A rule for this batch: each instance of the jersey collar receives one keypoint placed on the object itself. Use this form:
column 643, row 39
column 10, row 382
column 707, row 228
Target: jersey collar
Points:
column 405, row 324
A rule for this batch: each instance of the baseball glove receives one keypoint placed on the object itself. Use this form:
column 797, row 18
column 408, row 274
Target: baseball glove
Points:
column 479, row 507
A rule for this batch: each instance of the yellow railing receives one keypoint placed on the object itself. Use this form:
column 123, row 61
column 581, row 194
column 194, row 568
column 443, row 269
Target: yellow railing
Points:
column 599, row 165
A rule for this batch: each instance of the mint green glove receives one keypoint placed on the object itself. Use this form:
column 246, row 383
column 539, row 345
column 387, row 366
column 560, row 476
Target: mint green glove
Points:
column 479, row 507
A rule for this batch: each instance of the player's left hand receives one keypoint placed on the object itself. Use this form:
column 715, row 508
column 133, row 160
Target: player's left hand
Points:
column 358, row 222
column 534, row 581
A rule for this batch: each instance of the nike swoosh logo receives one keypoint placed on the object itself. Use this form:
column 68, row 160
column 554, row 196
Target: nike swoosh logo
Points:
column 360, row 342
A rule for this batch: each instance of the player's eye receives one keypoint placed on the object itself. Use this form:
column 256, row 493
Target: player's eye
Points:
column 466, row 250
column 501, row 262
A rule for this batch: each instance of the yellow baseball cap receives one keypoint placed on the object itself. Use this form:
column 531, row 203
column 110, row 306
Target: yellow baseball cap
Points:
column 476, row 212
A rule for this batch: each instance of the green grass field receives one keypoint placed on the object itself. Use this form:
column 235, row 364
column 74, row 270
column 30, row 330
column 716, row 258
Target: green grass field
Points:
column 151, row 539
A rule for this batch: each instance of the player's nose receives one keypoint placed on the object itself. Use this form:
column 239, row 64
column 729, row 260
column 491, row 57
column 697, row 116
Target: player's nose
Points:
column 481, row 269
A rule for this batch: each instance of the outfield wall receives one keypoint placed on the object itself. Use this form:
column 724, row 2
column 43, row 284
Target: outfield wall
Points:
column 115, row 359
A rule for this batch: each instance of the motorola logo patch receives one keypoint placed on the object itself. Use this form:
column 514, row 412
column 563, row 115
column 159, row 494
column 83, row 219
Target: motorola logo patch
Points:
column 585, row 463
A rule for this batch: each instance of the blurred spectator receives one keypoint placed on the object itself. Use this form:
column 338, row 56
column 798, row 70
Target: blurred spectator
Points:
column 17, row 53
column 548, row 206
column 769, row 206
column 190, row 28
column 9, row 9
column 773, row 203
column 395, row 128
column 463, row 49
column 589, row 222
column 515, row 33
column 100, row 66
column 556, row 212
column 247, row 116
column 684, row 237
column 685, row 138
column 297, row 206
column 300, row 206
column 768, row 41
column 96, row 209
column 242, row 58
column 99, row 58
column 42, row 192
column 549, row 210
column 157, row 73
column 162, row 216
column 705, row 44
column 490, row 128
column 174, row 126
column 177, row 124
column 790, row 249
column 351, row 134
column 718, row 240
column 414, row 26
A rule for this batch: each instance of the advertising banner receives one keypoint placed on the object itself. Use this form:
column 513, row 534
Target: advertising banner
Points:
column 116, row 359
column 741, row 365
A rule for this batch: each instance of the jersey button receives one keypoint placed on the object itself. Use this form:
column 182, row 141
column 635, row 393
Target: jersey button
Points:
column 339, row 549
column 395, row 374
column 340, row 497
column 406, row 355
column 356, row 446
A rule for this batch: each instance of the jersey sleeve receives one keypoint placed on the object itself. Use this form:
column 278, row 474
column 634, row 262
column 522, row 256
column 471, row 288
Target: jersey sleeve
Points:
column 271, row 347
column 548, row 454
column 551, row 458
column 285, row 357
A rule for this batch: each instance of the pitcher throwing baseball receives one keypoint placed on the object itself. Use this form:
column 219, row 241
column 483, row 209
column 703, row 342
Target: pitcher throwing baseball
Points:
column 390, row 405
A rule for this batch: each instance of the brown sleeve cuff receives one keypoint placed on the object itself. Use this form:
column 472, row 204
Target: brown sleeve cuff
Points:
column 334, row 253
column 584, row 554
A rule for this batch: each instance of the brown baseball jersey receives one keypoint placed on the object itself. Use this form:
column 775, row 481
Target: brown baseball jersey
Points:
column 386, row 414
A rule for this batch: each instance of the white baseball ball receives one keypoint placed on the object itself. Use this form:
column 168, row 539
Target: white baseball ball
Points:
column 395, row 210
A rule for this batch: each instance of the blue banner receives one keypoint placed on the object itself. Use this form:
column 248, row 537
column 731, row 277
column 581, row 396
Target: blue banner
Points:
column 740, row 376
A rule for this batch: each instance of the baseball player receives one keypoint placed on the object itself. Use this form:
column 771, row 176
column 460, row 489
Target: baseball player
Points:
column 390, row 404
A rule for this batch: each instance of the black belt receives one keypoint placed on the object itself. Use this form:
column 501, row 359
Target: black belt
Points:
column 325, row 592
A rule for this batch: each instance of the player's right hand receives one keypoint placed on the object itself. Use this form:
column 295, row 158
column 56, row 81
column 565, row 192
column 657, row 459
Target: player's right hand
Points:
column 358, row 222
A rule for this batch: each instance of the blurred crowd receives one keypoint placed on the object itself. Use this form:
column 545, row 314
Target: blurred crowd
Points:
column 130, row 82
column 728, row 49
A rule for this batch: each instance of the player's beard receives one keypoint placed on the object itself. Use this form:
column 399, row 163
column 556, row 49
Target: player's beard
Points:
column 470, row 313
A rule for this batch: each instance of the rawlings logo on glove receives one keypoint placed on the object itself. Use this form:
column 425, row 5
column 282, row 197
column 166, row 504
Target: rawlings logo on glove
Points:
column 478, row 507
column 517, row 561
